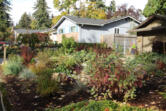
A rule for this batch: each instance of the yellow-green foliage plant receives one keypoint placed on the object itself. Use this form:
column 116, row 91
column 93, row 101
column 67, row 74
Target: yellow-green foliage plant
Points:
column 104, row 105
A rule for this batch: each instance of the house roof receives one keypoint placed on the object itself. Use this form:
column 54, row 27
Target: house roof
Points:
column 142, row 26
column 150, row 19
column 29, row 31
column 92, row 22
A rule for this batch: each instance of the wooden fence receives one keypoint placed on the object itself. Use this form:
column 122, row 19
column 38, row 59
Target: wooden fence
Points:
column 120, row 42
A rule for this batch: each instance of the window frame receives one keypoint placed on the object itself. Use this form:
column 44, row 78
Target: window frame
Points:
column 75, row 30
column 61, row 31
column 116, row 30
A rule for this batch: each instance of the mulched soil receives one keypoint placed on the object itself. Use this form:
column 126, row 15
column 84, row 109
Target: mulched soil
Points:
column 149, row 95
column 23, row 97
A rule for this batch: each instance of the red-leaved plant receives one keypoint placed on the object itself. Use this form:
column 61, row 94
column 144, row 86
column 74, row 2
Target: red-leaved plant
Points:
column 111, row 80
column 27, row 54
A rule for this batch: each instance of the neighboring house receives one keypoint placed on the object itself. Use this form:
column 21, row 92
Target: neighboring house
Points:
column 152, row 35
column 85, row 30
column 17, row 32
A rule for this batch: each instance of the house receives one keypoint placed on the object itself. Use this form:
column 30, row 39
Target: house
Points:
column 86, row 30
column 152, row 35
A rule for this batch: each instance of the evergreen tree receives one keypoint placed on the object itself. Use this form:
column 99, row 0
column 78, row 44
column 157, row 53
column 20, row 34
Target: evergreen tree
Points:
column 4, row 16
column 41, row 15
column 155, row 7
column 25, row 21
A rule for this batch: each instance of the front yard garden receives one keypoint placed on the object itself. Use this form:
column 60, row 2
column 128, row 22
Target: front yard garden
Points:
column 84, row 77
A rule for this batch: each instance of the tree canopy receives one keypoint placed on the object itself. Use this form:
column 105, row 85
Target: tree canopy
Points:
column 57, row 18
column 96, row 9
column 65, row 5
column 91, row 11
column 4, row 16
column 131, row 11
column 25, row 21
column 41, row 15
column 111, row 9
column 155, row 7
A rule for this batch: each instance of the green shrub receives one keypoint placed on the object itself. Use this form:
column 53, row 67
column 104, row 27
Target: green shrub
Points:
column 68, row 44
column 150, row 63
column 98, row 106
column 65, row 63
column 83, row 56
column 45, row 84
column 13, row 66
column 30, row 39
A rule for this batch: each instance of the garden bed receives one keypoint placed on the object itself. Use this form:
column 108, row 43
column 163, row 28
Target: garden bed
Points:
column 56, row 78
column 23, row 97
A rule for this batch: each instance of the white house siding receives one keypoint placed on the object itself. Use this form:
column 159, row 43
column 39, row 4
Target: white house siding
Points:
column 66, row 25
column 90, row 34
column 123, row 25
column 53, row 36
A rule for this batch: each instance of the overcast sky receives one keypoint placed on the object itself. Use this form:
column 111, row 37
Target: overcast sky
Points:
column 21, row 6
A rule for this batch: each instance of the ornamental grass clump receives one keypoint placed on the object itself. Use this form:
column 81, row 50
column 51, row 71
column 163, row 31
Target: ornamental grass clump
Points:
column 45, row 84
column 13, row 66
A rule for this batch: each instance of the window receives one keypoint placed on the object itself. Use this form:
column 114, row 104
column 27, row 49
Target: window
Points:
column 61, row 31
column 116, row 30
column 73, row 29
column 54, row 33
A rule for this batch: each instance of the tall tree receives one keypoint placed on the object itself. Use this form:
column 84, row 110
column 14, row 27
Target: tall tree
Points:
column 113, row 6
column 41, row 15
column 131, row 11
column 99, row 4
column 65, row 5
column 57, row 18
column 90, row 11
column 111, row 9
column 155, row 7
column 4, row 17
column 25, row 21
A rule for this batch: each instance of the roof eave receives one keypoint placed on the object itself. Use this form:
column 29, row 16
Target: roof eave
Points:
column 149, row 19
column 91, row 24
column 122, row 19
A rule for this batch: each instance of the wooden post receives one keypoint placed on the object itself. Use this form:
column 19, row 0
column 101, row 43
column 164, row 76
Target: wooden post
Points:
column 142, row 44
column 4, row 53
